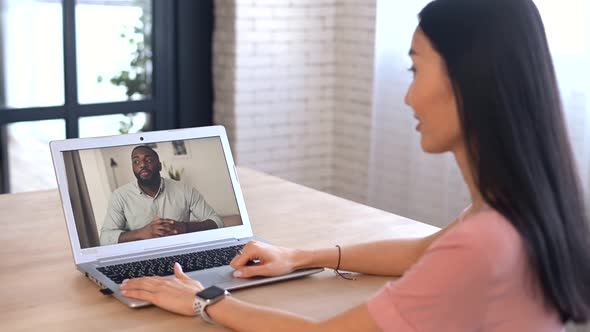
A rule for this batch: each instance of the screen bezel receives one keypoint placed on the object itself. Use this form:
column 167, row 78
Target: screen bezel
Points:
column 104, row 252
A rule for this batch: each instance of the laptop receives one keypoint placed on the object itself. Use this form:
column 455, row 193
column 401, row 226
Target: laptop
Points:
column 124, row 223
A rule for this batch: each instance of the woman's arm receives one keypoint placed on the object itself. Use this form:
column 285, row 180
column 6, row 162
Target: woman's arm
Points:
column 178, row 294
column 387, row 257
column 242, row 316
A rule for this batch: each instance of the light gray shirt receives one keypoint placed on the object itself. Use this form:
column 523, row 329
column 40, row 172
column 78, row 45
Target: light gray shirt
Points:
column 130, row 208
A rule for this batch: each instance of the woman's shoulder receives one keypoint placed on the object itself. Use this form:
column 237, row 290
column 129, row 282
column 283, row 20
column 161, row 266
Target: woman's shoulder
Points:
column 488, row 225
column 489, row 233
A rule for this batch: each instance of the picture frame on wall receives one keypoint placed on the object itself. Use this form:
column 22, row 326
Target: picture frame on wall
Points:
column 180, row 149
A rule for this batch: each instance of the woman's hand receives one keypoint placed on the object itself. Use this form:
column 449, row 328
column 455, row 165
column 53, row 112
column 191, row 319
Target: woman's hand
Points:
column 270, row 260
column 173, row 294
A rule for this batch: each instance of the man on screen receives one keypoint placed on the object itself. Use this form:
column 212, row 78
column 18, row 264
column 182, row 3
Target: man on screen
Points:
column 154, row 206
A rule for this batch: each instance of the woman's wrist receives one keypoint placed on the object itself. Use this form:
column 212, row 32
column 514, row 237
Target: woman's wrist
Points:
column 302, row 259
column 224, row 305
column 315, row 258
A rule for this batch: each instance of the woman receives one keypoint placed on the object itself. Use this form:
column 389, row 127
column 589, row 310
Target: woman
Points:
column 518, row 259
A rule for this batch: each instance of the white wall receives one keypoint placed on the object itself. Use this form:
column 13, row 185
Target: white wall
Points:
column 279, row 66
column 294, row 87
column 323, row 138
column 99, row 190
column 274, row 74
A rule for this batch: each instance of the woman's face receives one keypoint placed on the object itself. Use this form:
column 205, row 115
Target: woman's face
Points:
column 431, row 97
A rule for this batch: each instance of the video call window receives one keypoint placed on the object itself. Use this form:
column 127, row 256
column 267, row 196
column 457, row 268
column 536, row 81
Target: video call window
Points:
column 137, row 192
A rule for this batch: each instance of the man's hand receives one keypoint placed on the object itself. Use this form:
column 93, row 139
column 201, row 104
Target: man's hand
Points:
column 178, row 227
column 160, row 227
column 157, row 228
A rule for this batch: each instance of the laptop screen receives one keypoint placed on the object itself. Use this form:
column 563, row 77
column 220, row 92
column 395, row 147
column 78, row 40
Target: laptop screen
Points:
column 138, row 192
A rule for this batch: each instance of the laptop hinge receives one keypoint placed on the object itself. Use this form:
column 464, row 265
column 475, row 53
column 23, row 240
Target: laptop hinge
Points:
column 167, row 250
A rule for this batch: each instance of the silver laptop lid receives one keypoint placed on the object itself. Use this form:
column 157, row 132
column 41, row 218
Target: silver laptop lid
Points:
column 88, row 170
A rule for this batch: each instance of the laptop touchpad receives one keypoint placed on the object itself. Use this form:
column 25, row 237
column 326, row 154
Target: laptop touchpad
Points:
column 206, row 278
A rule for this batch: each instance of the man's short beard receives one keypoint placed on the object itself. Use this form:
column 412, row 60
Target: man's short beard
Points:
column 150, row 182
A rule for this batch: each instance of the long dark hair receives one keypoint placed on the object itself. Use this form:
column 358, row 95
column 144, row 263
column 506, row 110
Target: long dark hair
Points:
column 498, row 61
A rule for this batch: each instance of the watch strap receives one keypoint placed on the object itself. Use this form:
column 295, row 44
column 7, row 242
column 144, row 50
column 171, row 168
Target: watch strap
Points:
column 200, row 306
column 205, row 315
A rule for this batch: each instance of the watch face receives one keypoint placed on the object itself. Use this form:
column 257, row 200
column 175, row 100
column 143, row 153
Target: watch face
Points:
column 211, row 293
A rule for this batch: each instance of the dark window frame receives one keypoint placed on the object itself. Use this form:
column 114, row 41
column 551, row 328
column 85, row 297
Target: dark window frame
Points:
column 182, row 84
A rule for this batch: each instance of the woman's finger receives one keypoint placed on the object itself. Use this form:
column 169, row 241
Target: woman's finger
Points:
column 142, row 283
column 239, row 261
column 251, row 271
column 139, row 294
column 179, row 273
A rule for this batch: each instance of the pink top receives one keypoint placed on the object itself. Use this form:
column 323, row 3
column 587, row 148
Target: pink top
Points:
column 476, row 277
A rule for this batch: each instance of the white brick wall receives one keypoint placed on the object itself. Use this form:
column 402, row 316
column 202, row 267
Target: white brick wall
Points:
column 274, row 65
column 293, row 88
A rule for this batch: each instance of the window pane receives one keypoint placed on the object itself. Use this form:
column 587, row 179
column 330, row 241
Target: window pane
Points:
column 31, row 54
column 107, row 125
column 29, row 158
column 113, row 41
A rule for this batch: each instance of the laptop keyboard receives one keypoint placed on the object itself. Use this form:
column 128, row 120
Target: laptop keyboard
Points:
column 164, row 266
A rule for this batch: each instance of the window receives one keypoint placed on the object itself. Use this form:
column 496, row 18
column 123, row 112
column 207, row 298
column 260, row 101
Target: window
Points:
column 81, row 68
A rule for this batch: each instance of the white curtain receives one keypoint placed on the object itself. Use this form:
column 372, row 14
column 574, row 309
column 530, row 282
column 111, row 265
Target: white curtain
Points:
column 402, row 178
column 567, row 24
column 429, row 188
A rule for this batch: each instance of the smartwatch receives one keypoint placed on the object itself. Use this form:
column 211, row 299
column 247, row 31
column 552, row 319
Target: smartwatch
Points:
column 207, row 297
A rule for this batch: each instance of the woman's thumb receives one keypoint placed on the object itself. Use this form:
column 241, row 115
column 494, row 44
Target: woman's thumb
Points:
column 179, row 273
